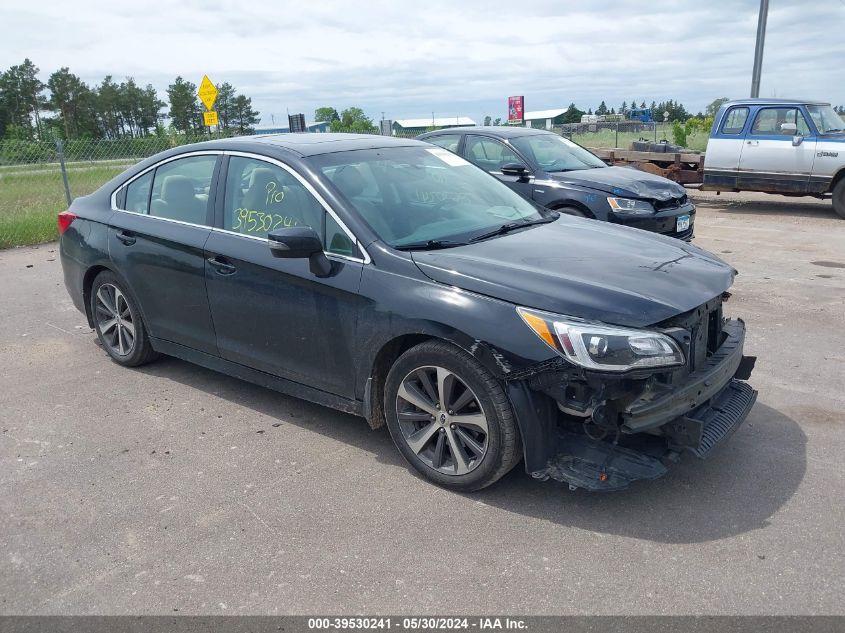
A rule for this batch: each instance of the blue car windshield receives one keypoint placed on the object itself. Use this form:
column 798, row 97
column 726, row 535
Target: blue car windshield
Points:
column 551, row 152
column 418, row 194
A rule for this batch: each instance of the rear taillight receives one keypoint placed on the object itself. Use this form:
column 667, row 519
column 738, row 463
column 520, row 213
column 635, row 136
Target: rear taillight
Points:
column 65, row 220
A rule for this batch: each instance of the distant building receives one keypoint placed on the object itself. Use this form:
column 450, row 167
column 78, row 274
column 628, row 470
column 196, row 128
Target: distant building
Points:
column 318, row 126
column 544, row 119
column 412, row 127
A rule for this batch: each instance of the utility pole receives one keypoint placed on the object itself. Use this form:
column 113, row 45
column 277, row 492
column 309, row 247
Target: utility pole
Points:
column 758, row 49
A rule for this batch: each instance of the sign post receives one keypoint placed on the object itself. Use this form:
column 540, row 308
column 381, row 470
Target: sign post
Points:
column 208, row 95
column 516, row 110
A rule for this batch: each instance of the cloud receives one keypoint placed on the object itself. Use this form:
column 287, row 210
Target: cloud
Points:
column 448, row 57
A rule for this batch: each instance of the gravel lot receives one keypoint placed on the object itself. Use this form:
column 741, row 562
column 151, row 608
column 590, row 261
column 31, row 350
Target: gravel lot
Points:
column 173, row 488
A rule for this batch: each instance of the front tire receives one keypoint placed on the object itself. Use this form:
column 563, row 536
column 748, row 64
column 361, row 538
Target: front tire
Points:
column 839, row 198
column 450, row 418
column 118, row 322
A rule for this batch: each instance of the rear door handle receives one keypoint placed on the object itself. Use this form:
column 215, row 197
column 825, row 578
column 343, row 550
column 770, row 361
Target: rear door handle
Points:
column 754, row 143
column 126, row 237
column 221, row 266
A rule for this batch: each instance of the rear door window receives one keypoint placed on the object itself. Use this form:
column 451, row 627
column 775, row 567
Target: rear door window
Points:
column 446, row 141
column 181, row 187
column 138, row 194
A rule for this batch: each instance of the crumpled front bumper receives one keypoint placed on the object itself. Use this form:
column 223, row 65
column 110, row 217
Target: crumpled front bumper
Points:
column 694, row 416
column 700, row 387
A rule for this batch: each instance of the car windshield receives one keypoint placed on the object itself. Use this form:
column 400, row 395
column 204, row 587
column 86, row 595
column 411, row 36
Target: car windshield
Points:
column 424, row 195
column 554, row 153
column 826, row 119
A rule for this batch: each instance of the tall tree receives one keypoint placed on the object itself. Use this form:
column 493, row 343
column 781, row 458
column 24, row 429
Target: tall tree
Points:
column 244, row 117
column 327, row 114
column 602, row 109
column 22, row 99
column 150, row 110
column 109, row 108
column 487, row 120
column 572, row 114
column 74, row 103
column 185, row 113
column 714, row 106
column 225, row 105
column 355, row 120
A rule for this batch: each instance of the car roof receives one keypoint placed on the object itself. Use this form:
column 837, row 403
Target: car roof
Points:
column 761, row 101
column 310, row 143
column 502, row 131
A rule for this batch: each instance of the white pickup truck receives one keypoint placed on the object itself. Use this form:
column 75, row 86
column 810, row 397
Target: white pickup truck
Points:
column 778, row 146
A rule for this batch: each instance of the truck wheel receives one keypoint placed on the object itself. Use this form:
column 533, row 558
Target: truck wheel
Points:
column 839, row 198
column 450, row 417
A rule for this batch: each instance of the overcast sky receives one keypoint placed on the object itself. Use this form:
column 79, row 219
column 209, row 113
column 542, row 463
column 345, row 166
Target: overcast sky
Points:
column 407, row 59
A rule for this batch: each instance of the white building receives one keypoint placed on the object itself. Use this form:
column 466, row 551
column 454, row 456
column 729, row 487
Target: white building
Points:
column 418, row 126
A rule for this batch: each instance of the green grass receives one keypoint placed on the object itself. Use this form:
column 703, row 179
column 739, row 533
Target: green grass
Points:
column 30, row 200
column 607, row 138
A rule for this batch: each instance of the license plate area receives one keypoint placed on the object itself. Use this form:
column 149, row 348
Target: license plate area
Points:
column 682, row 223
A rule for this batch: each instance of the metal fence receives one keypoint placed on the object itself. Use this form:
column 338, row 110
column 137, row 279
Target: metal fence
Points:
column 40, row 178
column 613, row 133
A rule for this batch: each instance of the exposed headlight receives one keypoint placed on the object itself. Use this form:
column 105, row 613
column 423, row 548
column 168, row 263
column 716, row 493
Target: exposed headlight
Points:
column 630, row 206
column 603, row 347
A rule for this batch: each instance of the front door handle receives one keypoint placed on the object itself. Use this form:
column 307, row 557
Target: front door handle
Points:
column 753, row 143
column 222, row 266
column 126, row 237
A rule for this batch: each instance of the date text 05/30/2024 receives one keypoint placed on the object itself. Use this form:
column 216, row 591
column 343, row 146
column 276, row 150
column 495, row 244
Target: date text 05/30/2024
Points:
column 416, row 624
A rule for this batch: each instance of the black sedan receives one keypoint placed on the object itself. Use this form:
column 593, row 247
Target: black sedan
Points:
column 563, row 176
column 395, row 281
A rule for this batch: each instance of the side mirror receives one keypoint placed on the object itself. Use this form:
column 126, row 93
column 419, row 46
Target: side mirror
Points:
column 788, row 128
column 514, row 169
column 797, row 140
column 300, row 242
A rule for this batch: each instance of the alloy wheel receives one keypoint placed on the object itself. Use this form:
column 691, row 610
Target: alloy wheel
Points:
column 442, row 421
column 115, row 320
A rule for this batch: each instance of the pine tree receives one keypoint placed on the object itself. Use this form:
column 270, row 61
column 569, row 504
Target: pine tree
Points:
column 185, row 112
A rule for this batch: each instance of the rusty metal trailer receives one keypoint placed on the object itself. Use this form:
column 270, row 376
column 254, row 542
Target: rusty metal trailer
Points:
column 685, row 168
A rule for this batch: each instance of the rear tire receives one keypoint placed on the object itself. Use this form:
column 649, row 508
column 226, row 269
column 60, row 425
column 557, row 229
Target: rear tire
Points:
column 118, row 322
column 450, row 417
column 839, row 198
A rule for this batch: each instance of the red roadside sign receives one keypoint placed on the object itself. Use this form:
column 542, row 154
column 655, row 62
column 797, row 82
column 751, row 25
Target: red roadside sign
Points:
column 516, row 109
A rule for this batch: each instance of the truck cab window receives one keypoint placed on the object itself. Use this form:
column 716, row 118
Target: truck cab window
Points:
column 769, row 121
column 735, row 121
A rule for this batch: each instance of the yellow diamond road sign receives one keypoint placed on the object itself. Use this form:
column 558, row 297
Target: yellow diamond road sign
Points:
column 209, row 118
column 207, row 92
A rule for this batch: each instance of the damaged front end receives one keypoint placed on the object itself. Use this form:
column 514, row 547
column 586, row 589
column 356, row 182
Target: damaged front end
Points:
column 605, row 428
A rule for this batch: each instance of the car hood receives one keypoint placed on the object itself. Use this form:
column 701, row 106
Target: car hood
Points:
column 587, row 269
column 622, row 181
